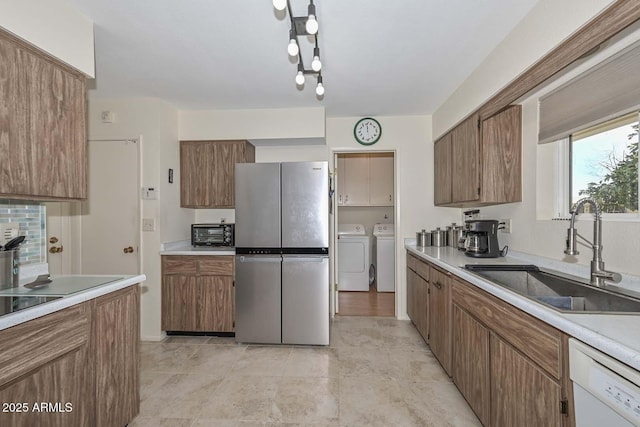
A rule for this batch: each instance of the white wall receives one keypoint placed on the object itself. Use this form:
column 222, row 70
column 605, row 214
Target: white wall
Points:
column 53, row 26
column 157, row 123
column 548, row 23
column 410, row 138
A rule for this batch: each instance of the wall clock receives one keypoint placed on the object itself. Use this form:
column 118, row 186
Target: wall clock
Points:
column 367, row 131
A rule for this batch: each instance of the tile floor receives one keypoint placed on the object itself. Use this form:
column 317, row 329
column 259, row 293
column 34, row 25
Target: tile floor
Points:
column 376, row 372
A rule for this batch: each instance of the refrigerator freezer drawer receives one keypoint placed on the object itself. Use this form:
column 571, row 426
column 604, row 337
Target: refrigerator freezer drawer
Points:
column 258, row 299
column 305, row 300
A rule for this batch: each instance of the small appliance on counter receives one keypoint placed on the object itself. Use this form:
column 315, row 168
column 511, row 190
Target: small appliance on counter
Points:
column 482, row 239
column 213, row 234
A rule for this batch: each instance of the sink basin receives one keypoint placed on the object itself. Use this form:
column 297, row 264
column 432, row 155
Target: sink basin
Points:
column 555, row 290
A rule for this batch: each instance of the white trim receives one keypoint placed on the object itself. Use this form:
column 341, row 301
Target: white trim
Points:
column 562, row 178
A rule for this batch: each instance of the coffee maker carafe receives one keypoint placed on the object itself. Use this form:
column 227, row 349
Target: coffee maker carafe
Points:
column 482, row 238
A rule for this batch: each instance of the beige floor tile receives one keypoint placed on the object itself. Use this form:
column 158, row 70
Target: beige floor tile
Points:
column 416, row 365
column 361, row 362
column 184, row 339
column 161, row 422
column 441, row 402
column 151, row 382
column 168, row 357
column 307, row 400
column 312, row 362
column 362, row 337
column 262, row 361
column 241, row 398
column 215, row 359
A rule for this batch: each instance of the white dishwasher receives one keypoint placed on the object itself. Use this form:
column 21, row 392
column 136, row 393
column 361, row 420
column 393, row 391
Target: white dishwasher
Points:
column 606, row 392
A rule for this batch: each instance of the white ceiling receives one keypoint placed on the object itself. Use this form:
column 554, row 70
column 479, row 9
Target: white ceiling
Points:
column 380, row 57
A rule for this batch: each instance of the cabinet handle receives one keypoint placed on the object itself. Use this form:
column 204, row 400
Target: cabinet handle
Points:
column 56, row 250
column 391, row 197
column 53, row 240
column 346, row 198
column 340, row 199
column 128, row 250
column 438, row 285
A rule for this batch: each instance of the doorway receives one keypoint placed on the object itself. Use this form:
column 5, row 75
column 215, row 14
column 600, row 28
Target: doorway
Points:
column 364, row 233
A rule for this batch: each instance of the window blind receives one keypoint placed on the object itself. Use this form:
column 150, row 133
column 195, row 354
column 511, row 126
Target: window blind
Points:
column 607, row 90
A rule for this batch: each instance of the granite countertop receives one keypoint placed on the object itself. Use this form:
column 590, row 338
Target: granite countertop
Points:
column 183, row 247
column 617, row 335
column 70, row 290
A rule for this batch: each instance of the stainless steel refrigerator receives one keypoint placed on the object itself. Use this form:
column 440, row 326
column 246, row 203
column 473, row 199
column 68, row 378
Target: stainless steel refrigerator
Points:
column 282, row 247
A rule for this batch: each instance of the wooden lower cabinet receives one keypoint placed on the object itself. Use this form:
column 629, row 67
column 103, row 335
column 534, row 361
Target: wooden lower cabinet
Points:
column 74, row 367
column 116, row 334
column 470, row 362
column 522, row 394
column 418, row 297
column 440, row 317
column 198, row 293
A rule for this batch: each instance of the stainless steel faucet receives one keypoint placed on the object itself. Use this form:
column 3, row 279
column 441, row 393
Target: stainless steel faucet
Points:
column 598, row 273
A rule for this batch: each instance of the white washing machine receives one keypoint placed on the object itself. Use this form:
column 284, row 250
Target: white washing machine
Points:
column 384, row 257
column 353, row 258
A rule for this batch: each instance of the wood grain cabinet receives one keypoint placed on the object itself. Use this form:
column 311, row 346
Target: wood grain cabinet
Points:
column 77, row 366
column 418, row 294
column 479, row 162
column 207, row 172
column 509, row 366
column 198, row 293
column 440, row 317
column 42, row 125
column 365, row 179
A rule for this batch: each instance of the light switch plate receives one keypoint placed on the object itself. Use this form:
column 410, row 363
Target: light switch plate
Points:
column 149, row 193
column 148, row 224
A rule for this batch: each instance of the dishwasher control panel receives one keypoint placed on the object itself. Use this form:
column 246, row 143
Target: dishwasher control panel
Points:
column 616, row 390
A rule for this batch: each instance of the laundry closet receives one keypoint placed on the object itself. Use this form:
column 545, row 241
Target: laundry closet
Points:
column 365, row 201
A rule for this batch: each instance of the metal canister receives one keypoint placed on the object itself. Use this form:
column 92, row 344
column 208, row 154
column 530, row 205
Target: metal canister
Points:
column 438, row 237
column 423, row 238
column 454, row 232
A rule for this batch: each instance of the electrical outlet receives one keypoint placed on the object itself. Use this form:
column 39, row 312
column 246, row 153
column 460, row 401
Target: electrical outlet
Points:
column 148, row 224
column 504, row 225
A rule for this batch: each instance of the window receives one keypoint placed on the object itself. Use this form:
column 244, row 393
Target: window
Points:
column 603, row 165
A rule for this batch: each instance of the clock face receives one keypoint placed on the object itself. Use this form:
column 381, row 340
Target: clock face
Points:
column 367, row 131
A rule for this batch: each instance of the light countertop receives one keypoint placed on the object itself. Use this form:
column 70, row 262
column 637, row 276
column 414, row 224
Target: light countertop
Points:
column 183, row 247
column 72, row 290
column 617, row 335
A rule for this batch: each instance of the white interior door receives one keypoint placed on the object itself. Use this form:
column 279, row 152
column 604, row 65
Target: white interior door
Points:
column 334, row 237
column 63, row 242
column 111, row 215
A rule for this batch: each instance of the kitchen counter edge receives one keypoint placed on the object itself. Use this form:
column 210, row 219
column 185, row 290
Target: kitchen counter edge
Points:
column 575, row 325
column 9, row 320
column 190, row 250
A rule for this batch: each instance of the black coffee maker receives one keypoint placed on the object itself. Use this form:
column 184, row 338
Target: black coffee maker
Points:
column 482, row 238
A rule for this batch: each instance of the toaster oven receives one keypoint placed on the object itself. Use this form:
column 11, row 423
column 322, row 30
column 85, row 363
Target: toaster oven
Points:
column 212, row 234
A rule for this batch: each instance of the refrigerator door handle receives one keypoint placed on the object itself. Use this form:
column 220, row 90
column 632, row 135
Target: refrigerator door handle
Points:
column 304, row 259
column 259, row 258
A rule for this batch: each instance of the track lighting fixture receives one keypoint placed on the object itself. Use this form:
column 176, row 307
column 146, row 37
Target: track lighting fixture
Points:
column 303, row 26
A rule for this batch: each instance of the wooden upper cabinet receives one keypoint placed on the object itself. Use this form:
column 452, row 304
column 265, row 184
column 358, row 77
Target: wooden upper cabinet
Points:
column 207, row 170
column 356, row 180
column 42, row 125
column 365, row 179
column 381, row 179
column 442, row 170
column 502, row 157
column 484, row 165
column 465, row 155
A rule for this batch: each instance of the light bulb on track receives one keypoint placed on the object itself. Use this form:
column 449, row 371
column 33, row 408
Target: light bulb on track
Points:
column 280, row 4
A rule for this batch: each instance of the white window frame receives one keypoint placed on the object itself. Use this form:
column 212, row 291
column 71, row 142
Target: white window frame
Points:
column 563, row 186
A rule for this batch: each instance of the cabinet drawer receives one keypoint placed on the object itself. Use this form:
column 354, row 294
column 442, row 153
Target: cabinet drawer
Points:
column 179, row 264
column 217, row 265
column 420, row 267
column 539, row 341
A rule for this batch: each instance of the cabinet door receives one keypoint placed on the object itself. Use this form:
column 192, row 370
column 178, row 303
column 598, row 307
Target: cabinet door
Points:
column 356, row 180
column 470, row 362
column 439, row 318
column 381, row 179
column 502, row 157
column 412, row 279
column 116, row 334
column 442, row 170
column 422, row 306
column 226, row 155
column 215, row 304
column 340, row 197
column 179, row 302
column 15, row 149
column 521, row 393
column 465, row 148
column 196, row 158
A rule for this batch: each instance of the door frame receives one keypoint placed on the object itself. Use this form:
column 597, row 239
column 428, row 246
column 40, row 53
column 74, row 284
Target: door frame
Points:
column 333, row 166
column 138, row 140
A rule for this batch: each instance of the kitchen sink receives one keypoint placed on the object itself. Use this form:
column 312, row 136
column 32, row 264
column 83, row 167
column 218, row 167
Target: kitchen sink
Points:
column 555, row 290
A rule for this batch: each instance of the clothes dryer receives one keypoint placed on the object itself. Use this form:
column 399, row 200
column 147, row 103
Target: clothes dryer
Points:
column 384, row 257
column 353, row 258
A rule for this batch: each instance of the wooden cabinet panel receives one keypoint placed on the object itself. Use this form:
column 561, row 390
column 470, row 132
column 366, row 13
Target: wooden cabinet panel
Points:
column 442, row 163
column 179, row 300
column 381, row 179
column 539, row 341
column 217, row 304
column 502, row 156
column 412, row 278
column 521, row 393
column 178, row 264
column 42, row 125
column 116, row 333
column 217, row 265
column 48, row 360
column 465, row 154
column 422, row 307
column 470, row 362
column 207, row 172
column 440, row 317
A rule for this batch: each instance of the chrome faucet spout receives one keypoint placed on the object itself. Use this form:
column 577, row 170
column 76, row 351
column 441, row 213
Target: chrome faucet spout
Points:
column 598, row 273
